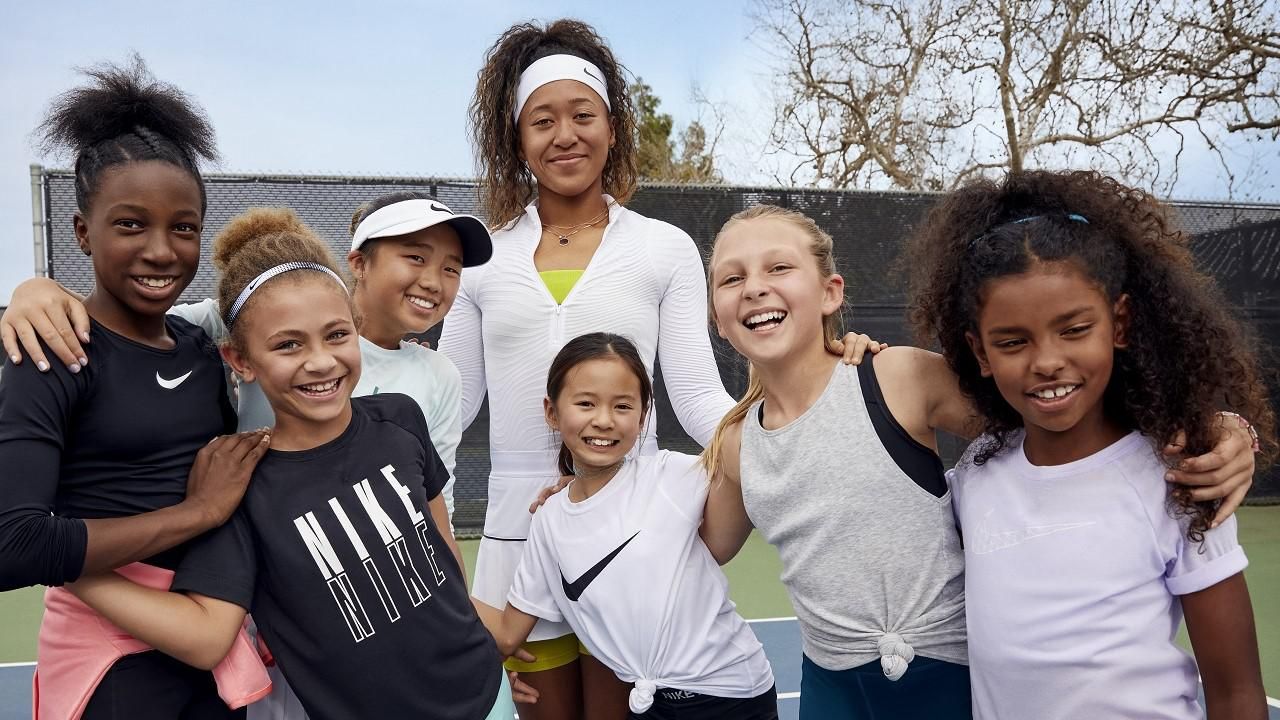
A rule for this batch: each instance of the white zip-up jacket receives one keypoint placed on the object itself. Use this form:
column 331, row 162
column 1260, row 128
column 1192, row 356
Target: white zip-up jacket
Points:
column 645, row 282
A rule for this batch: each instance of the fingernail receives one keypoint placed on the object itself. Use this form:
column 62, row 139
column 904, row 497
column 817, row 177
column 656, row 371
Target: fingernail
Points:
column 43, row 366
column 74, row 367
column 15, row 359
column 1169, row 477
column 83, row 361
column 84, row 337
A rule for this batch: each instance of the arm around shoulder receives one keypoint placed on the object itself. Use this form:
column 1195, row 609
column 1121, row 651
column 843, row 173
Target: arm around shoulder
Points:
column 725, row 524
column 921, row 390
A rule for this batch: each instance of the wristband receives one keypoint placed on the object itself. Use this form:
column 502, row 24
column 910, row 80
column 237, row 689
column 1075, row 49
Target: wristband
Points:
column 1257, row 445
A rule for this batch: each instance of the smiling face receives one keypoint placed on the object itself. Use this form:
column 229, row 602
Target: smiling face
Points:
column 406, row 283
column 299, row 344
column 1047, row 337
column 598, row 412
column 565, row 136
column 768, row 297
column 143, row 235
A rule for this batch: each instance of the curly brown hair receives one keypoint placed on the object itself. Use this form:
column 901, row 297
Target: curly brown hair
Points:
column 1187, row 356
column 508, row 186
column 258, row 240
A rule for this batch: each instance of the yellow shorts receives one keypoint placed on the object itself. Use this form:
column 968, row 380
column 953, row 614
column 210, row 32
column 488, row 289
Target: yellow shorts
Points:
column 550, row 654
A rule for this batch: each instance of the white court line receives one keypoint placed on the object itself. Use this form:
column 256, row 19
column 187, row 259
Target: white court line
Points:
column 781, row 696
column 771, row 620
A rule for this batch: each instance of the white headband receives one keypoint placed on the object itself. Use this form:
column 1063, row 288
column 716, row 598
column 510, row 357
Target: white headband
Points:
column 266, row 275
column 559, row 67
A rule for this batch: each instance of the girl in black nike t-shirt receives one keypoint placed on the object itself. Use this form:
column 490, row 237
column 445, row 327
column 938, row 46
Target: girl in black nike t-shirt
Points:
column 110, row 465
column 341, row 549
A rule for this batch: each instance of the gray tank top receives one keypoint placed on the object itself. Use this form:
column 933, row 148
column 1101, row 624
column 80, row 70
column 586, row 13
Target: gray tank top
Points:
column 872, row 561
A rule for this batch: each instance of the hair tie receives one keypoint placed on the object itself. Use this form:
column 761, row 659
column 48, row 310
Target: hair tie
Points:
column 269, row 273
column 1073, row 217
column 559, row 67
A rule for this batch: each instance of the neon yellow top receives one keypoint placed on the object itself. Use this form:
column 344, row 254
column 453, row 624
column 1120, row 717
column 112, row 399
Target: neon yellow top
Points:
column 560, row 282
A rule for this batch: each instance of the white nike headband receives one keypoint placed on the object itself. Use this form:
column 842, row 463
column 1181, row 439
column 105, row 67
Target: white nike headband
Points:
column 559, row 67
column 266, row 275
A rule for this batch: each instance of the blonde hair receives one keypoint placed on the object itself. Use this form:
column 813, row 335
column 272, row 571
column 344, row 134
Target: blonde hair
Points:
column 258, row 240
column 823, row 250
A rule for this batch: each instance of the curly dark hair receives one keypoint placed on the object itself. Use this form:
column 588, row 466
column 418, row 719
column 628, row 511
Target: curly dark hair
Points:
column 508, row 184
column 126, row 115
column 1187, row 356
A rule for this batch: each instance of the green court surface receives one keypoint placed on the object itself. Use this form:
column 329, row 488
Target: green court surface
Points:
column 754, row 584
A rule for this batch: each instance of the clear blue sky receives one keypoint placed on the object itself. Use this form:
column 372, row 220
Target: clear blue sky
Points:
column 379, row 88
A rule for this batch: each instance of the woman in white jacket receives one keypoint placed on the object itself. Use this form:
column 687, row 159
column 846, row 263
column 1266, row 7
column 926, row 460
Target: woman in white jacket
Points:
column 552, row 120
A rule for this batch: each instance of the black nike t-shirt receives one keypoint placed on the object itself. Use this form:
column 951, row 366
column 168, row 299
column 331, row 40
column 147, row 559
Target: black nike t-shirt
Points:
column 114, row 440
column 349, row 581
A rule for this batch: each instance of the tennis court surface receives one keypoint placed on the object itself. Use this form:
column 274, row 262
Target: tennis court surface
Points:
column 753, row 578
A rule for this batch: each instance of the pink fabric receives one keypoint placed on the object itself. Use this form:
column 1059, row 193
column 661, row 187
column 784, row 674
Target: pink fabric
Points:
column 77, row 646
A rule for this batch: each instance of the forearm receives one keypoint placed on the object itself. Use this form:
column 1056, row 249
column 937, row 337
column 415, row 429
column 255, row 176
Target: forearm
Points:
column 509, row 627
column 173, row 623
column 1238, row 704
column 113, row 542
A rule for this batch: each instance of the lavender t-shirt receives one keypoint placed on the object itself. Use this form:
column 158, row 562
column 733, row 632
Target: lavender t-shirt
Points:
column 1072, row 578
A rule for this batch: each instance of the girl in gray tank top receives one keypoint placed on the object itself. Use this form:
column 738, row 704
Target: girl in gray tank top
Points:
column 843, row 478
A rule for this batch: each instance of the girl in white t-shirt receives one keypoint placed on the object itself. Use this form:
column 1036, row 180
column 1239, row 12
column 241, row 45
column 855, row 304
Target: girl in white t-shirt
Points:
column 1072, row 311
column 617, row 555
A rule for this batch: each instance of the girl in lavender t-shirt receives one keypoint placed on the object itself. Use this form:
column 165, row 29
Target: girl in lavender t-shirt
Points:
column 1072, row 313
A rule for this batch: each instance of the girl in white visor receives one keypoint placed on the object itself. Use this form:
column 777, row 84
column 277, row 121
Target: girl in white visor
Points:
column 618, row 557
column 555, row 137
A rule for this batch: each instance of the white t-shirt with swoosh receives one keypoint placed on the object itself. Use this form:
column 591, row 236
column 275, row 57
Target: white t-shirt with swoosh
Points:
column 651, row 602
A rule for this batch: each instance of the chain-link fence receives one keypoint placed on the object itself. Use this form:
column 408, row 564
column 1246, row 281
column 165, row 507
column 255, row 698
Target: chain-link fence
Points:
column 1238, row 243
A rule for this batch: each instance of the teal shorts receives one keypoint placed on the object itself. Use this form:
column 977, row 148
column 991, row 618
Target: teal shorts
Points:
column 504, row 708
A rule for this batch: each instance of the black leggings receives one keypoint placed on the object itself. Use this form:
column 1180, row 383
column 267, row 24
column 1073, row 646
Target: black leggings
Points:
column 682, row 705
column 154, row 686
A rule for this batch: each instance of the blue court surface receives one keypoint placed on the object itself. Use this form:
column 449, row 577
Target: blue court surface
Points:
column 780, row 637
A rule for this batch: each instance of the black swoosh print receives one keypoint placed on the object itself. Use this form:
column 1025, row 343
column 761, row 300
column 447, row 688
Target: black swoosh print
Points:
column 573, row 590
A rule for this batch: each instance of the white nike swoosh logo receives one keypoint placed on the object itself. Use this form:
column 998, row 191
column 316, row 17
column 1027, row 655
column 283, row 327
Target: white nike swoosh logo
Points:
column 171, row 384
column 988, row 542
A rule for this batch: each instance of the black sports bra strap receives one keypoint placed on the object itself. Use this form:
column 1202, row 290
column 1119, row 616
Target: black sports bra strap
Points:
column 919, row 463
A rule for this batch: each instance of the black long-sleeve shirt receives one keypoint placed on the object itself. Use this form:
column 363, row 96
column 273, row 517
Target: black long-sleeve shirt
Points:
column 114, row 440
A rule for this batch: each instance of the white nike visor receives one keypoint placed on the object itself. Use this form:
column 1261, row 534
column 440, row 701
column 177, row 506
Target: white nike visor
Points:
column 409, row 216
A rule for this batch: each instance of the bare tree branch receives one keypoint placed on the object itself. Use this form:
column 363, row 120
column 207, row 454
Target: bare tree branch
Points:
column 924, row 94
